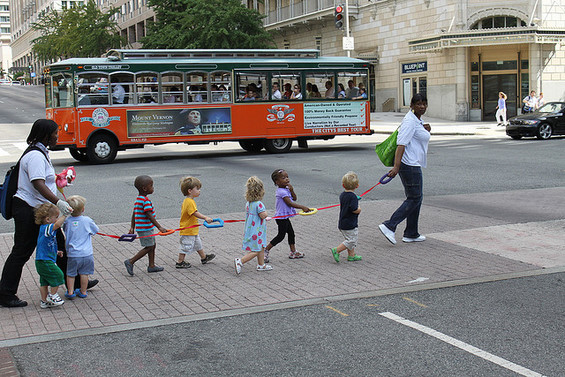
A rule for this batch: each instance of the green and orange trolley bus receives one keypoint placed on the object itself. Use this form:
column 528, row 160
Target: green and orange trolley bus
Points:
column 259, row 98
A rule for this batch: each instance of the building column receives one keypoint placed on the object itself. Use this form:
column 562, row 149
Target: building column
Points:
column 462, row 84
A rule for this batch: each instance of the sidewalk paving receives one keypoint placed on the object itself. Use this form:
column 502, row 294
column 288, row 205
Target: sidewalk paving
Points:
column 458, row 246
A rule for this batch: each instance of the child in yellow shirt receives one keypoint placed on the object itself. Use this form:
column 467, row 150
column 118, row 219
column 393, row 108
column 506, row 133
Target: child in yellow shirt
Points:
column 189, row 238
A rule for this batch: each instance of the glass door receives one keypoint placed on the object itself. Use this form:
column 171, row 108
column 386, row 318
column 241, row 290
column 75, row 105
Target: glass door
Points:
column 492, row 84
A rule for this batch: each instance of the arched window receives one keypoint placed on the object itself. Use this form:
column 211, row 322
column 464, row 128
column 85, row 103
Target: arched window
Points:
column 498, row 22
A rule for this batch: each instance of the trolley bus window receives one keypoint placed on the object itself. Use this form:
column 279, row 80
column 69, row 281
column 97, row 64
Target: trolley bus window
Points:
column 121, row 85
column 251, row 86
column 351, row 82
column 62, row 90
column 287, row 81
column 220, row 87
column 147, row 88
column 92, row 88
column 171, row 85
column 197, row 86
column 322, row 82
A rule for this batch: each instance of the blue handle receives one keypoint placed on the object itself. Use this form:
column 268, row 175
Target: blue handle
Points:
column 220, row 223
column 385, row 179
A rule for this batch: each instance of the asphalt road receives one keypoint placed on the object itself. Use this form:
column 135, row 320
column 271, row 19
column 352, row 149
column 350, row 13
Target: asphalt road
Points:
column 21, row 104
column 456, row 165
column 516, row 325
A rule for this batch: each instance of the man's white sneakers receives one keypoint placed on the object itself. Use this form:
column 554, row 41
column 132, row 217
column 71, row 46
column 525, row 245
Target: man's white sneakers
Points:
column 389, row 234
column 418, row 239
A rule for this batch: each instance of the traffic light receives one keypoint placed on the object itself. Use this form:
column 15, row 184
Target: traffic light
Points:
column 338, row 16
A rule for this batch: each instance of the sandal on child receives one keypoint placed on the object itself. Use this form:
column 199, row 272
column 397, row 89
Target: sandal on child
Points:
column 80, row 294
column 335, row 254
column 354, row 258
column 70, row 295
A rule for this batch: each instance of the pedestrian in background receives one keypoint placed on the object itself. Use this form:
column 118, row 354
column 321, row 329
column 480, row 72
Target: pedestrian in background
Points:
column 501, row 109
column 530, row 102
column 410, row 158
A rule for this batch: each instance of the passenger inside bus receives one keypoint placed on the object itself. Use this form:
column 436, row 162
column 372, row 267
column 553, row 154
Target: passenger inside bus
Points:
column 341, row 91
column 352, row 90
column 315, row 92
column 287, row 91
column 330, row 92
column 362, row 94
column 277, row 95
column 296, row 94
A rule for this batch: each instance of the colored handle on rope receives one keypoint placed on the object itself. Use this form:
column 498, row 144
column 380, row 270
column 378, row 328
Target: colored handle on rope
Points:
column 170, row 231
column 127, row 237
column 220, row 223
column 311, row 212
column 385, row 179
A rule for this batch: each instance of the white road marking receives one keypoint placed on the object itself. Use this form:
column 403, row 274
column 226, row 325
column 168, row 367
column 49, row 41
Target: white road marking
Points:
column 462, row 345
column 3, row 152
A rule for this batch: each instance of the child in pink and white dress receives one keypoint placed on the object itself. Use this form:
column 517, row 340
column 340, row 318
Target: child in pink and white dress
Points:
column 255, row 236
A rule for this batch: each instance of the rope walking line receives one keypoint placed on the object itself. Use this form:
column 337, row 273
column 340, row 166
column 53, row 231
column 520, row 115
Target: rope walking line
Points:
column 220, row 223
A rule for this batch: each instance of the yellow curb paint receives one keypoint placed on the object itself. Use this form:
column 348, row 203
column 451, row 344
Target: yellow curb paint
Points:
column 372, row 305
column 337, row 311
column 415, row 302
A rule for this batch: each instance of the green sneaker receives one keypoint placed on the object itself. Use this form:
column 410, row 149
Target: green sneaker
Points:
column 335, row 254
column 354, row 258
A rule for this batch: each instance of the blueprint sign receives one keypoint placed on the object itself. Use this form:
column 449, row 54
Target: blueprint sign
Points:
column 415, row 67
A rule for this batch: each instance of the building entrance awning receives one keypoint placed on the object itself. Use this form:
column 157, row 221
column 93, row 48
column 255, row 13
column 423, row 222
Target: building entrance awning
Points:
column 486, row 37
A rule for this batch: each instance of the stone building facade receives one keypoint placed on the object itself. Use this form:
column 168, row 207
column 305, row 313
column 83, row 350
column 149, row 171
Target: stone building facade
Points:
column 460, row 52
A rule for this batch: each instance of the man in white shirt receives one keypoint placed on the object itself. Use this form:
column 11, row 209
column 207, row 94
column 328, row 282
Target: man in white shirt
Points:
column 330, row 91
column 118, row 93
column 276, row 91
column 530, row 102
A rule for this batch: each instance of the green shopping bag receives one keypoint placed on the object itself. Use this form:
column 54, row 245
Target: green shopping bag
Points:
column 387, row 149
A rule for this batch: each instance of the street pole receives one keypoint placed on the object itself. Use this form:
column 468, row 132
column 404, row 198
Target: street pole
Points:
column 347, row 24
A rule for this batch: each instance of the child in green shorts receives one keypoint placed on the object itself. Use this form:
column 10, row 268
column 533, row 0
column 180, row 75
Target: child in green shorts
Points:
column 50, row 275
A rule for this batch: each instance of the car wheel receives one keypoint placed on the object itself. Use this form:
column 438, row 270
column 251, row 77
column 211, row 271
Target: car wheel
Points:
column 278, row 145
column 78, row 154
column 102, row 149
column 251, row 145
column 516, row 137
column 544, row 131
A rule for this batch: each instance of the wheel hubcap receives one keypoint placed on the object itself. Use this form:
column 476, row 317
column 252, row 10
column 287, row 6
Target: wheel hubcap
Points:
column 545, row 131
column 102, row 150
column 280, row 143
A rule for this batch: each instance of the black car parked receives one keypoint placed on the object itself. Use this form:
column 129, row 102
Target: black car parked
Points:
column 545, row 122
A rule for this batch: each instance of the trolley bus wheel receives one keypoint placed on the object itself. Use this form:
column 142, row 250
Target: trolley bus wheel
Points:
column 78, row 154
column 102, row 149
column 251, row 145
column 278, row 145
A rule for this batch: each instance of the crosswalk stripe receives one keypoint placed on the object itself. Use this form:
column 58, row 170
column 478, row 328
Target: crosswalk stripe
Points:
column 3, row 152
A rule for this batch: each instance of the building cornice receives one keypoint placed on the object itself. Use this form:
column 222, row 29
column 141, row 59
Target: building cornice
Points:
column 486, row 37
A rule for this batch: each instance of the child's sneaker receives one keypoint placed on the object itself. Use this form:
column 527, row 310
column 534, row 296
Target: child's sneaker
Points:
column 335, row 254
column 54, row 300
column 266, row 256
column 155, row 269
column 265, row 267
column 80, row 294
column 295, row 255
column 354, row 258
column 237, row 263
column 208, row 258
column 129, row 267
column 183, row 264
column 45, row 305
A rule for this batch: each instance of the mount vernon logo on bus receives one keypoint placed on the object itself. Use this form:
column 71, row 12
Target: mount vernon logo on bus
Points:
column 100, row 118
column 280, row 113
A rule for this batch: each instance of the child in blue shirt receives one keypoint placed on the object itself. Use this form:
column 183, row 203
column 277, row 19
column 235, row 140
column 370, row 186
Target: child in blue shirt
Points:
column 349, row 211
column 79, row 230
column 50, row 275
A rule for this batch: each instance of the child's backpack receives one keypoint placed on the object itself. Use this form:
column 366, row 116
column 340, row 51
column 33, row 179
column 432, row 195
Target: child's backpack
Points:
column 10, row 186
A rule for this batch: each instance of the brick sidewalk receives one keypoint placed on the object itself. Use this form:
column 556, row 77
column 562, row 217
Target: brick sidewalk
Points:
column 121, row 299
